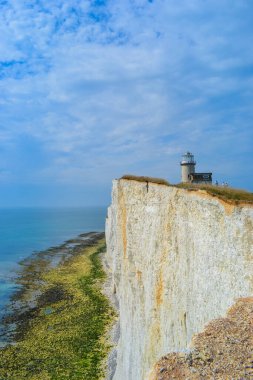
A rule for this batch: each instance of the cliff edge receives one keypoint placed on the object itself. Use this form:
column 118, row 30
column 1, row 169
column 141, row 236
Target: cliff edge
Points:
column 178, row 259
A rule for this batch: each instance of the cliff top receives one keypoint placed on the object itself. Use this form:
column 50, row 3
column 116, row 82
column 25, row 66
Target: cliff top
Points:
column 235, row 196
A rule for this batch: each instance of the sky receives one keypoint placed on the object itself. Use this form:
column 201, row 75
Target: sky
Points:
column 92, row 90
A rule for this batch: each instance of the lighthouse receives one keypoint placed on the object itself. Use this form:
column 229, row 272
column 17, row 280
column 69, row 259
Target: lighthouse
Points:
column 188, row 171
column 187, row 166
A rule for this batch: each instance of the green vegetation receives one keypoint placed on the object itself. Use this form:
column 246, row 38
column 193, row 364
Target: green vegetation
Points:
column 159, row 181
column 62, row 336
column 225, row 193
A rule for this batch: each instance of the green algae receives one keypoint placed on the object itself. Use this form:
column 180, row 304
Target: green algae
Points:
column 62, row 334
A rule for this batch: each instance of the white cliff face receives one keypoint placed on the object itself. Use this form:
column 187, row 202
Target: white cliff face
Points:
column 178, row 259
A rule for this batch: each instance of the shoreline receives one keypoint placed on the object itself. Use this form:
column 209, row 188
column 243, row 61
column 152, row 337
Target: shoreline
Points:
column 38, row 262
column 60, row 297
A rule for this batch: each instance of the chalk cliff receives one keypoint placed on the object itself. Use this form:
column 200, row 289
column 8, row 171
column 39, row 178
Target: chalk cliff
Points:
column 178, row 259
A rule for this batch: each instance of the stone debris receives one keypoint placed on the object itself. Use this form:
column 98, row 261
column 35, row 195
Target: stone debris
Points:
column 223, row 351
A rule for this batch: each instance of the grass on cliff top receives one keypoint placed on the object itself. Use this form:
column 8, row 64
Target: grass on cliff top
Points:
column 225, row 193
column 158, row 181
column 64, row 337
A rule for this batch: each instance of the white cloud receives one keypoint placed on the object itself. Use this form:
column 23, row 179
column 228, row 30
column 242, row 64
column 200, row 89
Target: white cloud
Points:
column 124, row 85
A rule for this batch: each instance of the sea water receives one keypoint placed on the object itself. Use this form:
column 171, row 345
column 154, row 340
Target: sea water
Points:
column 27, row 230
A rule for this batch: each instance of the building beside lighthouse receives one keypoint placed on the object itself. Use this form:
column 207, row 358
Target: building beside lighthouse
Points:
column 188, row 174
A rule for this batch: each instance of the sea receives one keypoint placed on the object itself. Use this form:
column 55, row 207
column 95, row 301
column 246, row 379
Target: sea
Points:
column 24, row 231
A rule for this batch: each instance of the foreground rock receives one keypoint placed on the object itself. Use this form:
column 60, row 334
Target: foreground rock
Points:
column 224, row 350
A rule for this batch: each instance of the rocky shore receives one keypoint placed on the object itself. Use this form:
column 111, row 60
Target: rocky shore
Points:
column 58, row 319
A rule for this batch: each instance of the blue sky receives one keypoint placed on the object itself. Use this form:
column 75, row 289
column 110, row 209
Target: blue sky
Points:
column 91, row 90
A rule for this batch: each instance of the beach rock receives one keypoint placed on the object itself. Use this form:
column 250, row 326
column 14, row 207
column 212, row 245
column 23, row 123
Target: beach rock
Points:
column 224, row 350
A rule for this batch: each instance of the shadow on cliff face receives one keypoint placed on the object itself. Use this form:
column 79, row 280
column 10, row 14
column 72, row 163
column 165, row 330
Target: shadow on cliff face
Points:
column 224, row 350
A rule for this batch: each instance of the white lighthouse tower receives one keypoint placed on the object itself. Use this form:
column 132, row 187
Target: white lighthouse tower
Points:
column 187, row 166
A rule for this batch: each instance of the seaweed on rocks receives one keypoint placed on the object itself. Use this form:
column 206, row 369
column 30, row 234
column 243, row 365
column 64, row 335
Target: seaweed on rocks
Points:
column 60, row 315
